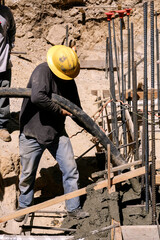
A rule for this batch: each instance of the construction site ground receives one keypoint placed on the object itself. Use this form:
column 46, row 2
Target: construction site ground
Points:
column 124, row 204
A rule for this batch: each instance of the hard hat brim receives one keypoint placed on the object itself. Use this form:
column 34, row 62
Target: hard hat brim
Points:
column 54, row 69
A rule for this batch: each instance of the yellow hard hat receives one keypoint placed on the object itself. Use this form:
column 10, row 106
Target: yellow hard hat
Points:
column 63, row 62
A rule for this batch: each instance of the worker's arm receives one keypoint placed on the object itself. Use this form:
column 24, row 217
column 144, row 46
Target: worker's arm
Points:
column 41, row 90
column 12, row 29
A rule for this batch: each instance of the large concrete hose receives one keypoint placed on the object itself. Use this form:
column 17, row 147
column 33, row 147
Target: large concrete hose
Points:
column 87, row 122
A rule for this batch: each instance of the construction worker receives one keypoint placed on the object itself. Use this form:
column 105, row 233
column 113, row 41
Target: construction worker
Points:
column 7, row 39
column 42, row 125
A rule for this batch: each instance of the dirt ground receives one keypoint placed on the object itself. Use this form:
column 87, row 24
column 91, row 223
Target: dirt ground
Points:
column 34, row 37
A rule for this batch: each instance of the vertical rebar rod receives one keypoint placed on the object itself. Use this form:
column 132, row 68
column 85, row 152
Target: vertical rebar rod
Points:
column 122, row 79
column 157, row 57
column 112, row 89
column 152, row 115
column 116, row 58
column 107, row 49
column 67, row 35
column 134, row 100
column 129, row 73
column 145, row 150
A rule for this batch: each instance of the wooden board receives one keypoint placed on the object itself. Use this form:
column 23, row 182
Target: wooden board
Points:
column 140, row 94
column 93, row 64
column 146, row 232
column 17, row 237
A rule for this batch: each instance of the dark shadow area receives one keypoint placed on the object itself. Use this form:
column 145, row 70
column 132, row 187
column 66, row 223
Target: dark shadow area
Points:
column 50, row 181
column 13, row 123
column 2, row 187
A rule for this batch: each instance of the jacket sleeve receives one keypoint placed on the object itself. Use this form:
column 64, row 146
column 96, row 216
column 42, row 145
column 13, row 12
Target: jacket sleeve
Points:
column 11, row 29
column 41, row 92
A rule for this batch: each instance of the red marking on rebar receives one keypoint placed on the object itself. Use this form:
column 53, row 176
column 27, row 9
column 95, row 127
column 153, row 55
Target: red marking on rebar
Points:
column 109, row 15
column 113, row 11
column 128, row 11
column 121, row 13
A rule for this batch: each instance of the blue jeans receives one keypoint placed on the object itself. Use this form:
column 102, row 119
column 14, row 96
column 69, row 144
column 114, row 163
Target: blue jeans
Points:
column 5, row 81
column 31, row 152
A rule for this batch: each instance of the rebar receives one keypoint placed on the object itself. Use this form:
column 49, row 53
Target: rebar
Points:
column 157, row 58
column 152, row 115
column 112, row 88
column 107, row 49
column 116, row 58
column 134, row 100
column 129, row 73
column 145, row 147
column 67, row 35
column 122, row 82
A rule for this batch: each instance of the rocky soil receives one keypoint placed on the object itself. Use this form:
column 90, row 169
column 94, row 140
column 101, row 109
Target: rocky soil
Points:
column 41, row 24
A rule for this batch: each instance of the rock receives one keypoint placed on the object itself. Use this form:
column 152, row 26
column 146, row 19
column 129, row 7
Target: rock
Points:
column 56, row 35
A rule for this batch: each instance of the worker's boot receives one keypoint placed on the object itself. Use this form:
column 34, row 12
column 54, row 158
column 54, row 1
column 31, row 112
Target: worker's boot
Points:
column 78, row 214
column 4, row 135
column 20, row 218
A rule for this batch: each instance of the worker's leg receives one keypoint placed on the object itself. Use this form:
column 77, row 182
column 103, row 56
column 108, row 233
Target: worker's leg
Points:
column 5, row 81
column 30, row 154
column 63, row 152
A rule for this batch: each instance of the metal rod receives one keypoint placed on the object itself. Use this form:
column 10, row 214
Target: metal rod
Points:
column 134, row 101
column 107, row 49
column 157, row 58
column 116, row 58
column 129, row 58
column 112, row 89
column 14, row 52
column 152, row 115
column 122, row 82
column 145, row 147
column 67, row 35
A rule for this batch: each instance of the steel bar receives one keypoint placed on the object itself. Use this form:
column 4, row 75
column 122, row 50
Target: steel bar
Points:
column 129, row 60
column 122, row 82
column 87, row 122
column 105, row 228
column 116, row 58
column 152, row 115
column 157, row 58
column 134, row 101
column 14, row 52
column 145, row 147
column 107, row 50
column 112, row 84
column 67, row 35
column 140, row 61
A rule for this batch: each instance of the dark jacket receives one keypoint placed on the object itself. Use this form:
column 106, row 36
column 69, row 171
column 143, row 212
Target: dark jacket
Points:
column 40, row 117
column 7, row 37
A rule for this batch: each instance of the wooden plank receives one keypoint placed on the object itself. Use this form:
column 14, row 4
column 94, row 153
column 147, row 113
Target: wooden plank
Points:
column 17, row 237
column 129, row 123
column 93, row 64
column 80, row 192
column 116, row 169
column 140, row 94
column 117, row 231
column 149, row 232
column 158, row 179
column 109, row 167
